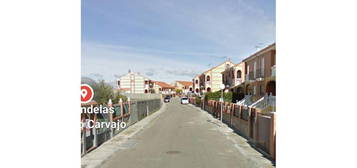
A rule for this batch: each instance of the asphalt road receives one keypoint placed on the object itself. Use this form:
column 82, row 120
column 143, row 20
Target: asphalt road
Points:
column 186, row 137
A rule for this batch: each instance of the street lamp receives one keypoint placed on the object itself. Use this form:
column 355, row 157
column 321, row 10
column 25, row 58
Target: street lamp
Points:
column 222, row 86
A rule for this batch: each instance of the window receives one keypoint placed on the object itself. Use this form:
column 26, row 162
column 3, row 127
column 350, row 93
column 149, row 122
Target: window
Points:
column 239, row 74
column 247, row 71
column 118, row 83
column 272, row 62
column 261, row 90
column 208, row 78
column 255, row 69
column 262, row 67
column 254, row 90
column 196, row 81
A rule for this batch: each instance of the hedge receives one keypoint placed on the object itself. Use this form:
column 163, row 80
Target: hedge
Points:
column 227, row 97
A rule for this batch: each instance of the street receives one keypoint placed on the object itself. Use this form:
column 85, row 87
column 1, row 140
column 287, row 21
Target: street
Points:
column 185, row 137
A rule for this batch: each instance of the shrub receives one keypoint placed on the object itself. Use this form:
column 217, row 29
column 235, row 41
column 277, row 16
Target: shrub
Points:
column 227, row 97
column 198, row 100
column 178, row 91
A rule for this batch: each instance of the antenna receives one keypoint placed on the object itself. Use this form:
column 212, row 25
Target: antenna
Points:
column 258, row 46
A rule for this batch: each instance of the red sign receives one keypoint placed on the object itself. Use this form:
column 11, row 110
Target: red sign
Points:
column 87, row 93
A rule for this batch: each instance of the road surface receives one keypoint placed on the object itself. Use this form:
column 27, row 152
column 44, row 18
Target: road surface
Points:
column 185, row 137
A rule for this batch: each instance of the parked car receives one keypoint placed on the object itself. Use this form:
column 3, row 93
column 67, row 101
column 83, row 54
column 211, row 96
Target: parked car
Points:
column 184, row 100
column 167, row 99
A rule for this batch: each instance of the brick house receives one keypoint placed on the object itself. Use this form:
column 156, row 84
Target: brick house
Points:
column 260, row 72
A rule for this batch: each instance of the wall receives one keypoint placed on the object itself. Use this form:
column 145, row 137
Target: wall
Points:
column 129, row 112
column 142, row 96
column 258, row 128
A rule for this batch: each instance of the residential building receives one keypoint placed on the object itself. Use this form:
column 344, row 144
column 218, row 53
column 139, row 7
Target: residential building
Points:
column 234, row 75
column 134, row 82
column 260, row 72
column 196, row 84
column 163, row 88
column 211, row 80
column 185, row 86
column 234, row 78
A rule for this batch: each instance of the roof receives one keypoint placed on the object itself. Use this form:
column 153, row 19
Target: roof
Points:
column 163, row 84
column 219, row 65
column 198, row 75
column 185, row 83
column 260, row 52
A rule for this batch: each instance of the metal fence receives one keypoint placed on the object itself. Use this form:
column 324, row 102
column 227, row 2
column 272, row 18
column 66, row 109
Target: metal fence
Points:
column 128, row 112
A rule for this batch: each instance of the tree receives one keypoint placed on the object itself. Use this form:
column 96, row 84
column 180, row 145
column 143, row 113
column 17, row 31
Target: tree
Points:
column 103, row 91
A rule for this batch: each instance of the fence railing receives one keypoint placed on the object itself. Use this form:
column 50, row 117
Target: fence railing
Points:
column 259, row 73
column 259, row 128
column 129, row 112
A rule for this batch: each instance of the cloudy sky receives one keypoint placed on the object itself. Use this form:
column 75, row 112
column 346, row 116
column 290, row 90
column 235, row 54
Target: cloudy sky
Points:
column 171, row 40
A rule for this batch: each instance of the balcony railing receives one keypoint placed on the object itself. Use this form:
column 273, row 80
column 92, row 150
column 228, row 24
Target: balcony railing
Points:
column 259, row 74
column 273, row 69
column 238, row 81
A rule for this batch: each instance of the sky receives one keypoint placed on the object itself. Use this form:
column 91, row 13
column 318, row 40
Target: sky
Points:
column 168, row 40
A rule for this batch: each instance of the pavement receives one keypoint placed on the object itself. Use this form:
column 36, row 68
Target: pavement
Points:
column 178, row 136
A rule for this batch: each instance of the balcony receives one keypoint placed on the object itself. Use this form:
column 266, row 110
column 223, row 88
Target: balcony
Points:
column 259, row 75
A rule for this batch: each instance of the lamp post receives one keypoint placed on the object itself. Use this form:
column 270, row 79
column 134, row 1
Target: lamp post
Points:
column 222, row 86
column 202, row 98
